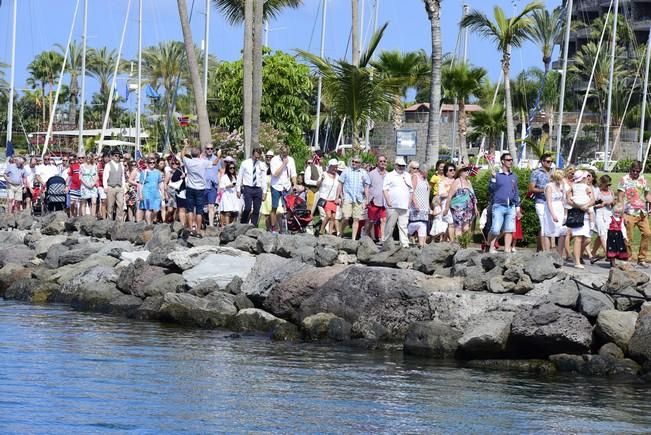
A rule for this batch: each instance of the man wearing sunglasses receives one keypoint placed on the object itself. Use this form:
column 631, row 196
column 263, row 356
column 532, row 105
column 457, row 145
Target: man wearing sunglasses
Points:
column 537, row 182
column 252, row 184
column 634, row 192
column 503, row 188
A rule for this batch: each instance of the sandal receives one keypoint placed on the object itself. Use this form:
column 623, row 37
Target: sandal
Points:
column 195, row 234
column 596, row 258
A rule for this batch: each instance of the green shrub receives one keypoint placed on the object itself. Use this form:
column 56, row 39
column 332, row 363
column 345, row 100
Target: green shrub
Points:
column 530, row 224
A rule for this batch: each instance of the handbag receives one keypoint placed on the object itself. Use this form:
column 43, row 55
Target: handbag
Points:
column 321, row 202
column 176, row 185
column 575, row 218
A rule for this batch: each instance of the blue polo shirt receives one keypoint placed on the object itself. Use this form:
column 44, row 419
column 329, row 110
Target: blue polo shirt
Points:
column 504, row 189
column 211, row 175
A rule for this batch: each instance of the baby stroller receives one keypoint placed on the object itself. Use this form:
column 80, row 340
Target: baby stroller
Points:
column 55, row 194
column 37, row 199
column 298, row 217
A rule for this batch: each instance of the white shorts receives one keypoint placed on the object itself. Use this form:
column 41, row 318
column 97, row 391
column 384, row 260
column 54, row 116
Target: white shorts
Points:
column 417, row 227
column 14, row 192
column 540, row 212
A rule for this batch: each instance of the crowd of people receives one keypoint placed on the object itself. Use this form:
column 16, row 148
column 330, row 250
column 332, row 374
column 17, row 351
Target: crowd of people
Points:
column 202, row 188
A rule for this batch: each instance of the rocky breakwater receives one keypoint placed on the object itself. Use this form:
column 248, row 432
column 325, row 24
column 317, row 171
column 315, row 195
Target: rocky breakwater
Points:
column 488, row 310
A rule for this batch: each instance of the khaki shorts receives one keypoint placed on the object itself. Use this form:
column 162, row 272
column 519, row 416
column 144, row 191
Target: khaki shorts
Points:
column 15, row 192
column 352, row 209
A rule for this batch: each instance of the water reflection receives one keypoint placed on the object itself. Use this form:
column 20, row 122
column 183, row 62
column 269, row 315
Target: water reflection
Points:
column 63, row 371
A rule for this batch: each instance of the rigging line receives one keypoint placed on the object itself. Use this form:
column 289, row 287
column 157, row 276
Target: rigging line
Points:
column 350, row 35
column 316, row 16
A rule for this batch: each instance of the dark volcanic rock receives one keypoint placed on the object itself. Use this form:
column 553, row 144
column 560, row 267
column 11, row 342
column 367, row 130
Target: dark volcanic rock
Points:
column 432, row 338
column 548, row 329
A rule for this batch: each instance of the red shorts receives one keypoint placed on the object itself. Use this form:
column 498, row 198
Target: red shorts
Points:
column 375, row 213
column 330, row 207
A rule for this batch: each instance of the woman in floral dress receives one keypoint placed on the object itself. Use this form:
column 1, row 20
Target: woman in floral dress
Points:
column 462, row 202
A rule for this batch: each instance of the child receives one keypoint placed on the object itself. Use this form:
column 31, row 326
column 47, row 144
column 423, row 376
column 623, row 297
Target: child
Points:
column 617, row 237
column 581, row 194
column 439, row 227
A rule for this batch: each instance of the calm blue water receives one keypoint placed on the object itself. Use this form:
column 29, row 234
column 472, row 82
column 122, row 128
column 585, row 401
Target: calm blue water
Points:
column 68, row 372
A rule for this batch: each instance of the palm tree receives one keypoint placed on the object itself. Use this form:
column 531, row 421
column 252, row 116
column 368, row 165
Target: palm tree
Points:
column 354, row 31
column 433, row 9
column 406, row 70
column 352, row 90
column 100, row 65
column 461, row 82
column 197, row 86
column 43, row 71
column 236, row 12
column 546, row 31
column 4, row 86
column 524, row 93
column 488, row 123
column 506, row 32
column 73, row 68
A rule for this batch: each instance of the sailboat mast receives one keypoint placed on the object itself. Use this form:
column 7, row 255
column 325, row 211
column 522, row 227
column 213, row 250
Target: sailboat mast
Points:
column 139, row 90
column 205, row 53
column 566, row 48
column 12, row 77
column 640, row 151
column 320, row 83
column 48, row 135
column 610, row 86
column 80, row 146
column 376, row 5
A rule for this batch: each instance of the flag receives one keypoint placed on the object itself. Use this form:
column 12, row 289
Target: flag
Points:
column 138, row 154
column 9, row 152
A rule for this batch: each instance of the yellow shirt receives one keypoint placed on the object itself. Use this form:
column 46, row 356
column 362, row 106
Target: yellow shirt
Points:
column 434, row 183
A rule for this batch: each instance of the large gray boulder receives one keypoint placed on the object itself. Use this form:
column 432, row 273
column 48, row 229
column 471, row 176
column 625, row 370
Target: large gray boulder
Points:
column 325, row 255
column 138, row 276
column 220, row 268
column 233, row 231
column 434, row 257
column 53, row 223
column 542, row 266
column 77, row 255
column 253, row 319
column 548, row 329
column 94, row 276
column 564, row 294
column 591, row 302
column 380, row 303
column 186, row 259
column 66, row 273
column 125, row 305
column 31, row 290
column 284, row 299
column 616, row 327
column 431, row 338
column 170, row 283
column 12, row 272
column 486, row 335
column 191, row 310
column 366, row 249
column 268, row 270
column 317, row 326
column 159, row 256
column 42, row 245
column 619, row 279
column 19, row 254
column 639, row 346
column 97, row 298
column 289, row 245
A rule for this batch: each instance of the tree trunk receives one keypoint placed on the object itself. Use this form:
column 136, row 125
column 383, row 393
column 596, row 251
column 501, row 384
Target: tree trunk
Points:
column 463, row 131
column 510, row 128
column 355, row 32
column 248, row 74
column 433, row 8
column 74, row 90
column 397, row 113
column 197, row 86
column 256, row 75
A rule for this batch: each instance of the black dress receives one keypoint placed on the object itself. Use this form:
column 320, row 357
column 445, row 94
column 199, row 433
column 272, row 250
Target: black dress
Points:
column 615, row 244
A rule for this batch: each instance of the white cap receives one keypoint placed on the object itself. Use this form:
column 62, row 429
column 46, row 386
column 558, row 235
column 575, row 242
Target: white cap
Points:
column 270, row 153
column 341, row 165
column 333, row 162
column 400, row 161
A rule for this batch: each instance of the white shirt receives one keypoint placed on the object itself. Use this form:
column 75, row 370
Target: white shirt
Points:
column 30, row 173
column 308, row 174
column 195, row 169
column 245, row 175
column 113, row 166
column 284, row 180
column 328, row 188
column 398, row 188
column 45, row 172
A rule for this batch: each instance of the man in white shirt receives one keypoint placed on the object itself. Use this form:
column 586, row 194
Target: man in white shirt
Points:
column 251, row 184
column 397, row 191
column 46, row 170
column 283, row 178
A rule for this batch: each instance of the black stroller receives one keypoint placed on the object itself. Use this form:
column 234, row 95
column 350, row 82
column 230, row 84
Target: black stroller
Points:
column 55, row 194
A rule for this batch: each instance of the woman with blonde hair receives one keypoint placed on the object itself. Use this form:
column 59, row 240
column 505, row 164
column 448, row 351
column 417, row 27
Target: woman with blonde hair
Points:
column 554, row 215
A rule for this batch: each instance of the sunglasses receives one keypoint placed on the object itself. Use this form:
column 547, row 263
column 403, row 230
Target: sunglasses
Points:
column 381, row 161
column 450, row 169
column 508, row 160
column 356, row 161
column 231, row 167
column 209, row 149
column 401, row 166
column 548, row 161
column 151, row 162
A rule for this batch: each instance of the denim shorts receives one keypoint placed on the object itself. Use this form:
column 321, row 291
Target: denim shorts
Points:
column 194, row 200
column 503, row 219
column 275, row 198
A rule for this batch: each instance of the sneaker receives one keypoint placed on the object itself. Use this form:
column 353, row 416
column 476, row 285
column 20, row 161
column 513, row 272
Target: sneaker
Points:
column 492, row 250
column 643, row 264
column 579, row 266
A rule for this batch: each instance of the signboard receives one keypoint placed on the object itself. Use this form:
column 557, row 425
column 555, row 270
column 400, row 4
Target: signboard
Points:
column 406, row 141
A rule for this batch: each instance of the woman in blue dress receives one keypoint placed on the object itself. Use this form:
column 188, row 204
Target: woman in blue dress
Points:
column 151, row 190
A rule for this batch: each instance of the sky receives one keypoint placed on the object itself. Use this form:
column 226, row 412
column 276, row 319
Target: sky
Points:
column 43, row 23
